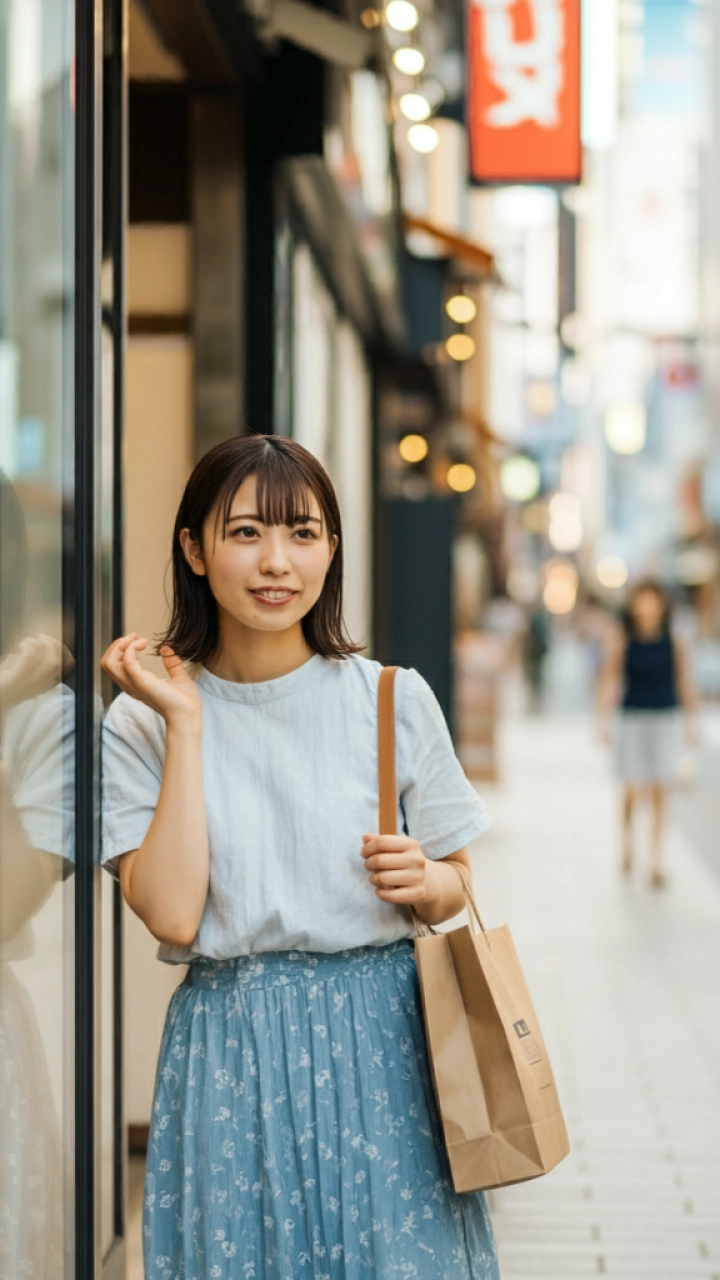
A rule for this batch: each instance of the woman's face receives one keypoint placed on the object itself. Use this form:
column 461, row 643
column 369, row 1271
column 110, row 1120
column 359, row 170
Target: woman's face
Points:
column 266, row 577
column 647, row 610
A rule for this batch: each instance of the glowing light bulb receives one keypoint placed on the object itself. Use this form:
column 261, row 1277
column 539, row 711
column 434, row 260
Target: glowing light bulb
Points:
column 460, row 346
column 461, row 309
column 413, row 448
column 561, row 587
column 414, row 106
column 611, row 572
column 423, row 138
column 520, row 478
column 565, row 532
column 461, row 477
column 411, row 62
column 401, row 15
column 626, row 427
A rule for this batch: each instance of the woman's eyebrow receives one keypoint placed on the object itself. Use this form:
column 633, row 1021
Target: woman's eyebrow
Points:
column 249, row 516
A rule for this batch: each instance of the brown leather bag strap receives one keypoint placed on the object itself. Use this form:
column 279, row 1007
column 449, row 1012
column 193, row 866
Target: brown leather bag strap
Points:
column 387, row 787
column 387, row 780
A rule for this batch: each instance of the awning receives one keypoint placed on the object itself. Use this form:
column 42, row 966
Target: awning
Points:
column 455, row 246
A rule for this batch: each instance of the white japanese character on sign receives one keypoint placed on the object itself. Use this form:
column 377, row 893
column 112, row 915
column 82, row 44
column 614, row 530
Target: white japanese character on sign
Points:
column 529, row 72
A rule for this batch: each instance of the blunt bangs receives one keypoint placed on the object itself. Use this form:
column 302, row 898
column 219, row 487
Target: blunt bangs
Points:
column 282, row 490
column 286, row 475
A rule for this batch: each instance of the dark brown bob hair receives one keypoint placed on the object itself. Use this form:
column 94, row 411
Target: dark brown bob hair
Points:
column 640, row 588
column 286, row 474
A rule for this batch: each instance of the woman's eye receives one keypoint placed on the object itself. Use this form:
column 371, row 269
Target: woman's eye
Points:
column 305, row 535
column 245, row 532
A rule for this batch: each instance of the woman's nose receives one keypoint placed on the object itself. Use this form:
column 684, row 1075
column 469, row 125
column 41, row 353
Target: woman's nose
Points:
column 274, row 558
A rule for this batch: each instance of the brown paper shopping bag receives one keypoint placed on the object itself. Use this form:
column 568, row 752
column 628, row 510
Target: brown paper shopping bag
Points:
column 495, row 1088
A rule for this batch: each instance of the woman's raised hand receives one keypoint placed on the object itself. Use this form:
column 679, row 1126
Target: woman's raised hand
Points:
column 176, row 699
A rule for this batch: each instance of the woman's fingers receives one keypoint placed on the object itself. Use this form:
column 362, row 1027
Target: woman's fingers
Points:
column 114, row 651
column 141, row 679
column 174, row 665
column 121, row 662
column 408, row 894
column 373, row 845
column 395, row 879
column 412, row 867
column 397, row 868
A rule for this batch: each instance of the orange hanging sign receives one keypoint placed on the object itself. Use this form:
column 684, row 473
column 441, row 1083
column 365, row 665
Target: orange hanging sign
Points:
column 524, row 91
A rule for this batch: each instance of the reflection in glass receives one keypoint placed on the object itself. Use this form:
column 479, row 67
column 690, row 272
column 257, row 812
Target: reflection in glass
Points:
column 36, row 750
column 36, row 698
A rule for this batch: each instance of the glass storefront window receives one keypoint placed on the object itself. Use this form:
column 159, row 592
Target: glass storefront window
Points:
column 36, row 665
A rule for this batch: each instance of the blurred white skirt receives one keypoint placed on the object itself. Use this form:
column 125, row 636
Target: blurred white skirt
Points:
column 648, row 747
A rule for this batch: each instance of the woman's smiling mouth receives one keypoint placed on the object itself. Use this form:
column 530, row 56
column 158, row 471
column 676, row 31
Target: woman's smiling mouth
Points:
column 273, row 596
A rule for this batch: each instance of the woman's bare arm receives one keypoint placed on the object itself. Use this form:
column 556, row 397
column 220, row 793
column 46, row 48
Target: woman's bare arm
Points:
column 687, row 692
column 444, row 888
column 610, row 683
column 165, row 881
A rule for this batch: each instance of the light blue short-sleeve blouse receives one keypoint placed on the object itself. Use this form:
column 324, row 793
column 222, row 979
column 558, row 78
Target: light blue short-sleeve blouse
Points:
column 290, row 777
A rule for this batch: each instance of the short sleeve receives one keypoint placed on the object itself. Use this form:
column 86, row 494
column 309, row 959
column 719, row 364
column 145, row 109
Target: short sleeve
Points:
column 133, row 753
column 40, row 749
column 442, row 810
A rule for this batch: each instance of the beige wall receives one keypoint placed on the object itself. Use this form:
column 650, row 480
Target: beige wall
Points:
column 158, row 460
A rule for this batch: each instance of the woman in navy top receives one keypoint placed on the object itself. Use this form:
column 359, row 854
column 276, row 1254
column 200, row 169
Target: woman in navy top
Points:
column 647, row 675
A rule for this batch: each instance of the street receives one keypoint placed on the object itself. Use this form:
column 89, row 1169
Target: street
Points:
column 625, row 984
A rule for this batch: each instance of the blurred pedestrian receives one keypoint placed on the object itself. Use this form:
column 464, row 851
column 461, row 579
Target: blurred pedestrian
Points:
column 647, row 678
column 594, row 625
column 536, row 643
column 294, row 1129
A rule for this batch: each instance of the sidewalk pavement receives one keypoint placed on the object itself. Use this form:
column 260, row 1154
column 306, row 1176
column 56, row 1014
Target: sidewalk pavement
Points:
column 626, row 983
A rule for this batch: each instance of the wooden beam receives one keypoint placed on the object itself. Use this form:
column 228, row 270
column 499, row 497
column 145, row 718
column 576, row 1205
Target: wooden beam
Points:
column 455, row 246
column 188, row 32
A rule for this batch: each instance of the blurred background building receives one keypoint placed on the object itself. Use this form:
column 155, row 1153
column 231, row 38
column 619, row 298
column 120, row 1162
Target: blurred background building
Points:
column 467, row 253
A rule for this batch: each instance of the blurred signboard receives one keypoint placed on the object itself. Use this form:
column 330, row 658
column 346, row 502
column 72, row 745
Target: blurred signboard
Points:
column 524, row 90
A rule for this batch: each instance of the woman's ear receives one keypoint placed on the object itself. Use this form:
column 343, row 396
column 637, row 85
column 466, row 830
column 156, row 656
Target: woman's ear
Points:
column 193, row 553
column 333, row 546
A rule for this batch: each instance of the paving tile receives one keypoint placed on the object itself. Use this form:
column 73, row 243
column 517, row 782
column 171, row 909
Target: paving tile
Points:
column 625, row 985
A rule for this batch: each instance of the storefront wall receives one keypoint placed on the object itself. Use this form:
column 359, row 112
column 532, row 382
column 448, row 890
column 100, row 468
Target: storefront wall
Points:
column 60, row 402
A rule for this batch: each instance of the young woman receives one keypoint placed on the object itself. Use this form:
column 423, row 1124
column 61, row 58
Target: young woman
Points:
column 647, row 672
column 294, row 1129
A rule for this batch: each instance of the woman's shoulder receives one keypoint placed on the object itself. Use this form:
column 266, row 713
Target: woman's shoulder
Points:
column 414, row 697
column 356, row 670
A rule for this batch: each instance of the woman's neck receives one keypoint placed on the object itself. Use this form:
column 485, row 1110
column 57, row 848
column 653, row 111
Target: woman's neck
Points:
column 247, row 656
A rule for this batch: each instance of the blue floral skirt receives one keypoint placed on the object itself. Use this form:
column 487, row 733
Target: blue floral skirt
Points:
column 295, row 1132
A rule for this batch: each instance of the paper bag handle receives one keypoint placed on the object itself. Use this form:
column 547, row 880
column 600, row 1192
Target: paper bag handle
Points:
column 387, row 787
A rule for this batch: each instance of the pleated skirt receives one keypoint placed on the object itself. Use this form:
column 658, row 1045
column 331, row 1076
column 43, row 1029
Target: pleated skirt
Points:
column 295, row 1132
